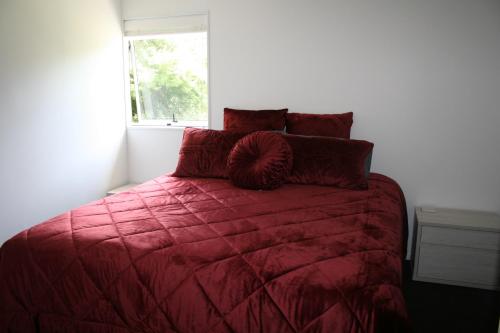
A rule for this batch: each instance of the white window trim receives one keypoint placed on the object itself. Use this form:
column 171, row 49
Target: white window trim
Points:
column 126, row 67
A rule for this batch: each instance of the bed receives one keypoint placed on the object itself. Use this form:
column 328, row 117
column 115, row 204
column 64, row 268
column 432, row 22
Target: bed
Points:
column 201, row 255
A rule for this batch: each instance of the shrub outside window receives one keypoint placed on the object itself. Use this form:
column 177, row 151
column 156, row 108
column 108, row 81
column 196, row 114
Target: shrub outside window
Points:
column 168, row 77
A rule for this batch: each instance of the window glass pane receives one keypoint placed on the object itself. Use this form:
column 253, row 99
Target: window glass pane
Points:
column 168, row 77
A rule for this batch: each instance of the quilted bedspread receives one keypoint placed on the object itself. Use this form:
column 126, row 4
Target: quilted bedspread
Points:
column 200, row 255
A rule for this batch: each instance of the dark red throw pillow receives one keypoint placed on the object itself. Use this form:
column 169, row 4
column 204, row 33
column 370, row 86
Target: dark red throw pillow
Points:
column 333, row 125
column 204, row 153
column 251, row 121
column 260, row 161
column 329, row 161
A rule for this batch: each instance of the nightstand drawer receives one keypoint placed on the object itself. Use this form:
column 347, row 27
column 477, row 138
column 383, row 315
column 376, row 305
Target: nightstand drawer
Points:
column 459, row 264
column 460, row 237
column 459, row 247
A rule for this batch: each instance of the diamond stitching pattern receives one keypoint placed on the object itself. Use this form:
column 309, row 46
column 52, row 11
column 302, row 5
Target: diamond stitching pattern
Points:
column 191, row 206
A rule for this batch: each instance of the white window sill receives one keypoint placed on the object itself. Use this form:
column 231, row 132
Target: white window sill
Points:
column 164, row 127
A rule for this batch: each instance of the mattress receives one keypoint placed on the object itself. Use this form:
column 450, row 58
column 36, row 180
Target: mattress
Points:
column 200, row 255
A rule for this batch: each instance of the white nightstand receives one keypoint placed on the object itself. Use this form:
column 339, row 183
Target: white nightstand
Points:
column 457, row 247
column 122, row 188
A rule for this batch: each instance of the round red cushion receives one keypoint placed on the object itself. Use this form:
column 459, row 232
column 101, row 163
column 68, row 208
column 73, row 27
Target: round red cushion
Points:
column 260, row 161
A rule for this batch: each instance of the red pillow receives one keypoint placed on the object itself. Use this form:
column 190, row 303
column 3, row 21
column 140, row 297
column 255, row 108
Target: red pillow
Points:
column 251, row 121
column 260, row 161
column 329, row 161
column 204, row 153
column 334, row 125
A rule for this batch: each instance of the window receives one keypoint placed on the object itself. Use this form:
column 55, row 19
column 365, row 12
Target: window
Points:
column 168, row 74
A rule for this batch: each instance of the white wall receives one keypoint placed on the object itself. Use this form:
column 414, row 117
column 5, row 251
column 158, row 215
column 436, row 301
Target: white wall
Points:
column 422, row 77
column 154, row 151
column 62, row 124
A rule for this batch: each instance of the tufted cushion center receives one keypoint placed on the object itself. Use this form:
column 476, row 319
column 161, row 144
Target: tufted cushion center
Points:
column 261, row 160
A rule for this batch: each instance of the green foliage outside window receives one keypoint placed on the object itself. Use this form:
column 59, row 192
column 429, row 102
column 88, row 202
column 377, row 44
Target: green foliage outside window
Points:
column 171, row 78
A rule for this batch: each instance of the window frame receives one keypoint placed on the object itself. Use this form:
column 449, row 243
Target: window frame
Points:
column 126, row 71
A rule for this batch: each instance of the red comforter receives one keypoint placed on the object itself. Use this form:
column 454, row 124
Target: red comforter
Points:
column 199, row 255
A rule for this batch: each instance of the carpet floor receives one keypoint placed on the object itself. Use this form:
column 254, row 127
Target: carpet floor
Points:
column 442, row 308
